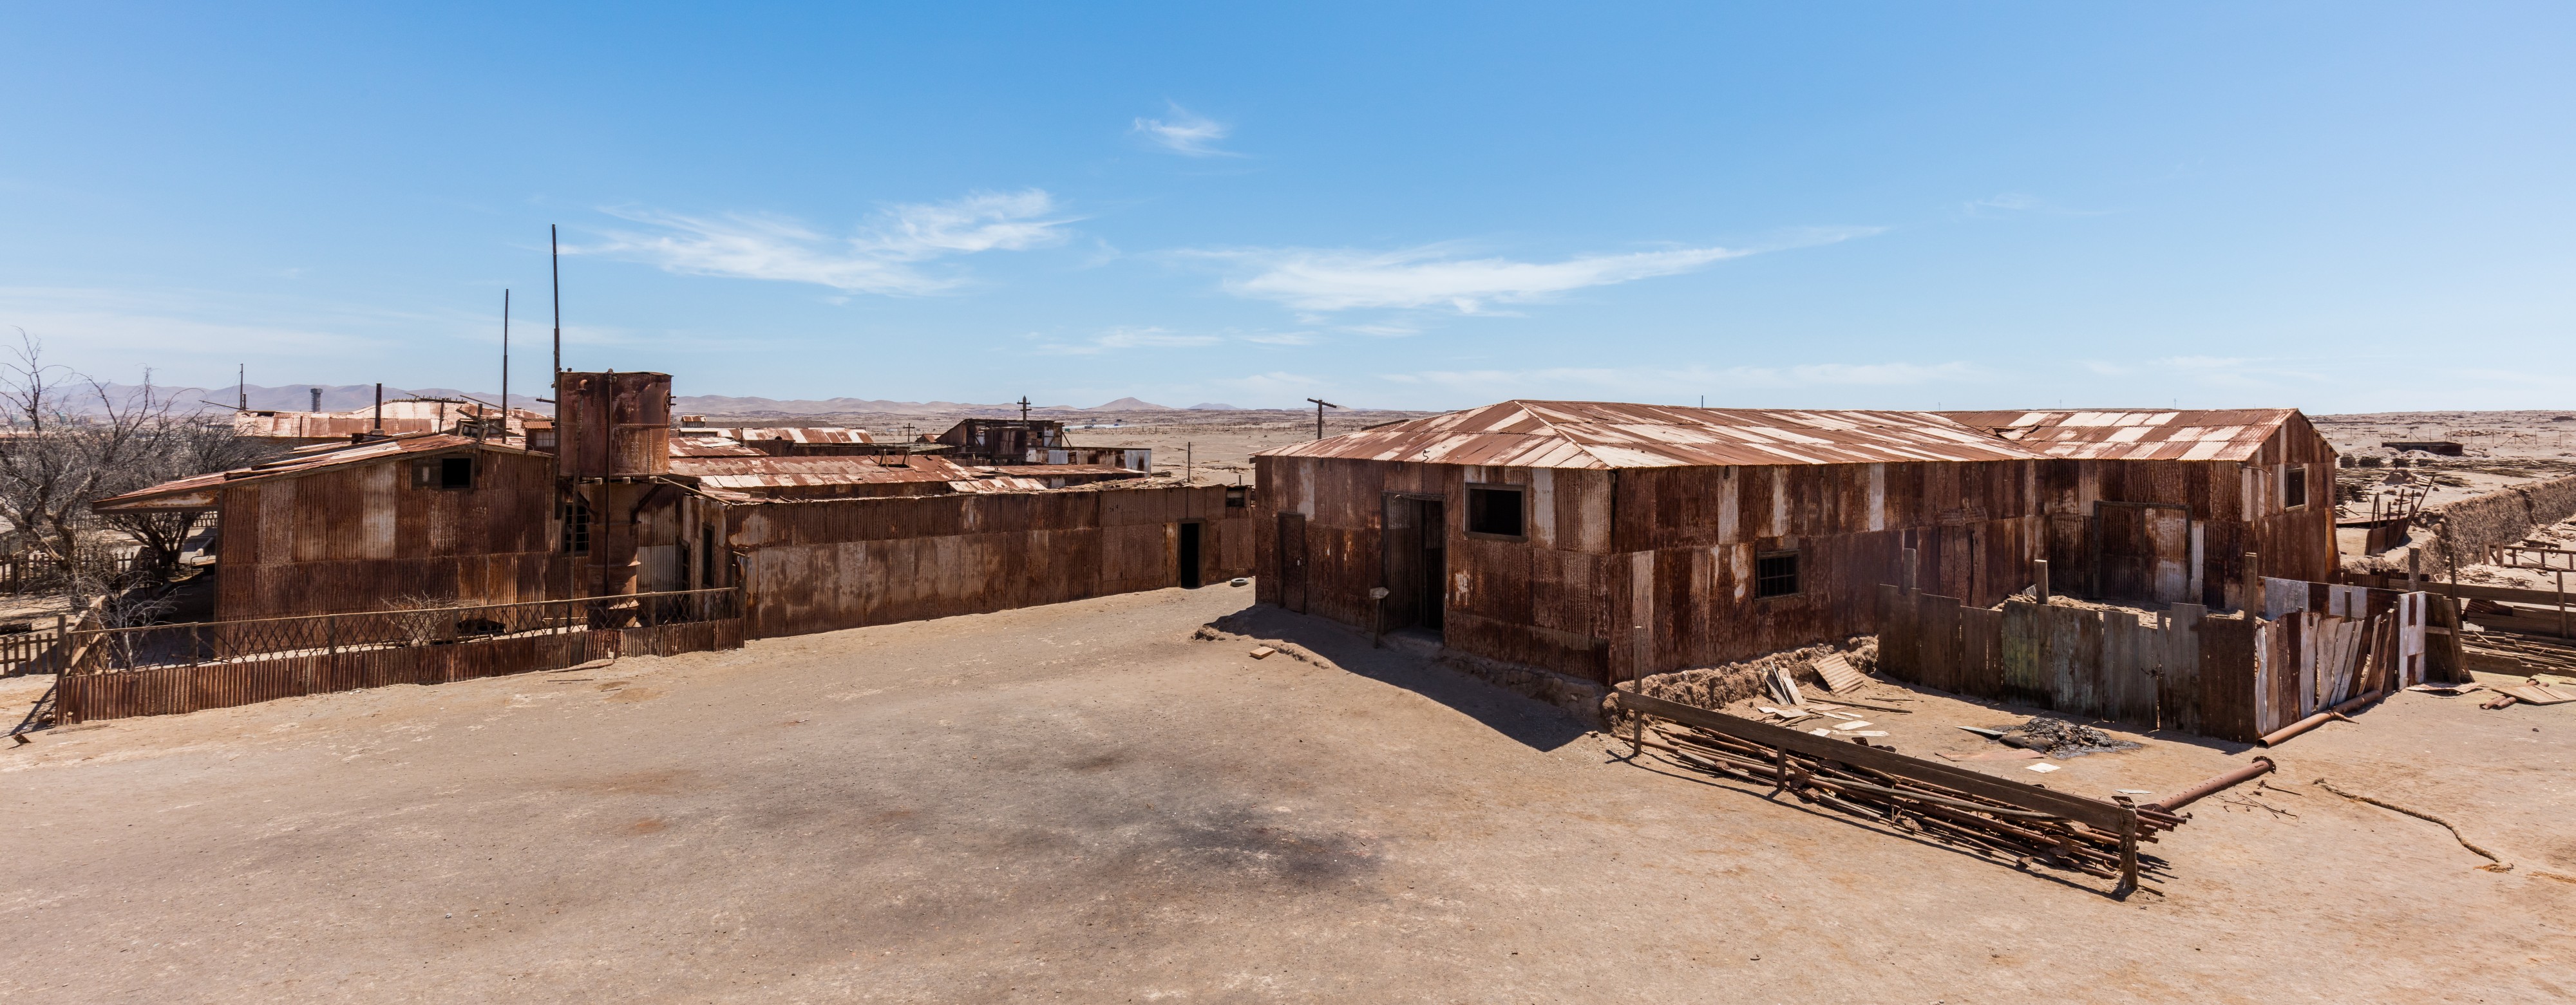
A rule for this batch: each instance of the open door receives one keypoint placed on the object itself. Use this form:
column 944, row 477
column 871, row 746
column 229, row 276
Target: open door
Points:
column 1292, row 561
column 1432, row 589
column 1190, row 555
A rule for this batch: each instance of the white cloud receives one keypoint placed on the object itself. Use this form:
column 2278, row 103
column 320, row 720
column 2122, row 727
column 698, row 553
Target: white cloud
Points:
column 1127, row 338
column 1283, row 338
column 1186, row 133
column 1432, row 276
column 881, row 258
column 1666, row 383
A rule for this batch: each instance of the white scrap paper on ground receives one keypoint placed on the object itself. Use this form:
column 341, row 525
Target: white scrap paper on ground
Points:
column 2043, row 768
column 1852, row 725
column 1822, row 732
column 1870, row 732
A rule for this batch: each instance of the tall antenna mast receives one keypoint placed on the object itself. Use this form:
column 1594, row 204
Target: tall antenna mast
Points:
column 554, row 265
column 505, row 365
column 244, row 387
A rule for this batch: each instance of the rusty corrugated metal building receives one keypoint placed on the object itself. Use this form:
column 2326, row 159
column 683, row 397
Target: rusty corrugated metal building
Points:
column 2163, row 505
column 1609, row 541
column 628, row 507
column 410, row 415
column 359, row 526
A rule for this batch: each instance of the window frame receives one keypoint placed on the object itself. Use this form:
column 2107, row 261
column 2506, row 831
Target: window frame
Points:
column 2289, row 474
column 431, row 473
column 1797, row 573
column 1467, row 519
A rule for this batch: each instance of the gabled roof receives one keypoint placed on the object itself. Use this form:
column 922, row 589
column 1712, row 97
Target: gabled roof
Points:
column 1603, row 435
column 199, row 491
column 2165, row 434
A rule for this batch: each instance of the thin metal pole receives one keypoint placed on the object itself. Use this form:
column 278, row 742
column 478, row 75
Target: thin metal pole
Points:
column 380, row 406
column 2562, row 605
column 555, row 267
column 505, row 365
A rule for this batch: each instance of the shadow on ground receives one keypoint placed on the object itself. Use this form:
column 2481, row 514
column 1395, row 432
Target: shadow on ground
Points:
column 1529, row 721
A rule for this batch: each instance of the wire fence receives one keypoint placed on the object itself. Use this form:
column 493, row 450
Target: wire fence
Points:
column 169, row 669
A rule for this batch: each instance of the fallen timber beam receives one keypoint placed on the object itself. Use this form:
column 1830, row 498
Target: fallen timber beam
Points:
column 2111, row 820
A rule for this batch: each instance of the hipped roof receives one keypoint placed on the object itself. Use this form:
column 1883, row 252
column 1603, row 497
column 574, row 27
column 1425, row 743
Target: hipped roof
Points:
column 1604, row 435
column 198, row 492
column 2165, row 434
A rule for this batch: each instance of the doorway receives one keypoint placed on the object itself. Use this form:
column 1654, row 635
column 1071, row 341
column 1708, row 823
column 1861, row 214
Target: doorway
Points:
column 1190, row 555
column 1414, row 561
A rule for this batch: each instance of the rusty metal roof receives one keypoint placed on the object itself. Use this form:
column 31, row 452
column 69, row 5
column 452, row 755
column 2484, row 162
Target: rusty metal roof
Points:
column 198, row 491
column 2160, row 434
column 763, row 471
column 408, row 416
column 793, row 434
column 1061, row 471
column 1602, row 435
column 685, row 445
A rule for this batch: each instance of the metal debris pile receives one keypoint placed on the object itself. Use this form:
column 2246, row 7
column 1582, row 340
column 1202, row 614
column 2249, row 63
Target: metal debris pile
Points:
column 1985, row 825
column 2060, row 738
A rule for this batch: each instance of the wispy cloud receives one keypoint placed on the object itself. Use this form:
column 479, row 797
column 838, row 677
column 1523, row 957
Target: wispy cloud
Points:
column 2024, row 202
column 1127, row 338
column 1186, row 133
column 1439, row 276
column 1283, row 338
column 1665, row 383
column 884, row 257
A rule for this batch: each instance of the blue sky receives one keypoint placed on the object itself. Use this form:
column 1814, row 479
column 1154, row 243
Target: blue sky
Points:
column 2339, row 207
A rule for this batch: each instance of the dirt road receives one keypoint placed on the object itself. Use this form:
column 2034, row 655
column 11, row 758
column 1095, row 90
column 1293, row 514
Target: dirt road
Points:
column 1082, row 803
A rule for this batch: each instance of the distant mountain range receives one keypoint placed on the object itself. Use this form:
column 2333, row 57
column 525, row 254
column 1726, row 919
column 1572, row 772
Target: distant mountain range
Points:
column 346, row 397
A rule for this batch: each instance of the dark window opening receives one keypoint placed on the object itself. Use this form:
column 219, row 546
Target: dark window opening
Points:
column 2294, row 487
column 1494, row 511
column 1775, row 575
column 456, row 472
column 576, row 528
column 1237, row 496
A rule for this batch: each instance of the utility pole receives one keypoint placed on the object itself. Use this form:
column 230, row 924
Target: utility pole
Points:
column 1320, row 406
column 243, row 388
column 1024, row 410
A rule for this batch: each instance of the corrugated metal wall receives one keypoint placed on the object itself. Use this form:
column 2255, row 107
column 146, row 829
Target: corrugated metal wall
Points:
column 346, row 539
column 2237, row 506
column 824, row 565
column 1650, row 569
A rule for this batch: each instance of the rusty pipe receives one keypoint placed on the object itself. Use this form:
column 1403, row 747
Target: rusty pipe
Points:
column 2274, row 739
column 2261, row 766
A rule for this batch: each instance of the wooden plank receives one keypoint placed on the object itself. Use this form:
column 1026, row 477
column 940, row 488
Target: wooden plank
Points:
column 1900, row 652
column 2024, row 654
column 1939, row 640
column 1981, row 671
column 2090, row 812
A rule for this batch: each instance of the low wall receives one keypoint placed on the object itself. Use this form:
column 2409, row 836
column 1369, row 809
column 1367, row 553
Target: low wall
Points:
column 819, row 566
column 2463, row 530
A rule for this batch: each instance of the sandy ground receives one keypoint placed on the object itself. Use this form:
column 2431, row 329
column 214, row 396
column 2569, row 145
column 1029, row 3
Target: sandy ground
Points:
column 1083, row 803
